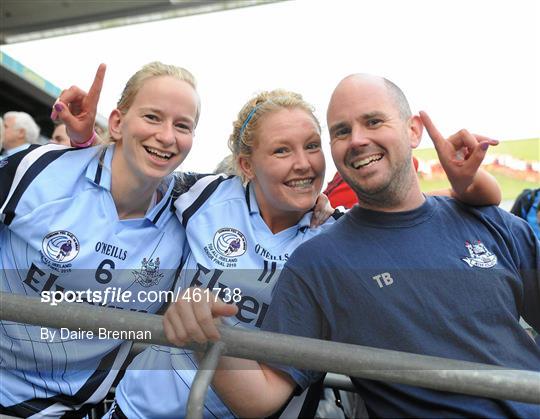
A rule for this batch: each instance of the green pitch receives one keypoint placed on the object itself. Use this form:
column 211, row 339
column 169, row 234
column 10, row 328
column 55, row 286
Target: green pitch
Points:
column 528, row 150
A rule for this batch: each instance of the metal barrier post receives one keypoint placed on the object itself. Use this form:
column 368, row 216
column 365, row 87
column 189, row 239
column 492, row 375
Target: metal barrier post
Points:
column 339, row 382
column 203, row 379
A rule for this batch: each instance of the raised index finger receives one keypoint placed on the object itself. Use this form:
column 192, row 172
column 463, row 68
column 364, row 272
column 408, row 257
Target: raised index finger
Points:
column 97, row 84
column 433, row 132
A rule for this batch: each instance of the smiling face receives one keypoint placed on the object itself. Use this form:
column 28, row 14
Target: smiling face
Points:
column 155, row 134
column 286, row 166
column 371, row 140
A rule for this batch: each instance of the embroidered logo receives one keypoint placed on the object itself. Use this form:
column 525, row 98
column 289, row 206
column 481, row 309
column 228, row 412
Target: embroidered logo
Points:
column 227, row 245
column 148, row 275
column 58, row 249
column 479, row 255
column 60, row 246
column 229, row 242
column 3, row 162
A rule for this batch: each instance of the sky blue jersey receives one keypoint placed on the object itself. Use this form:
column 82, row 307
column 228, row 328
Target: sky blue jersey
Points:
column 232, row 252
column 60, row 232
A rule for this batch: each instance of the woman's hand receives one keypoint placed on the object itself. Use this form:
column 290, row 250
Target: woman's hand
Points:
column 77, row 109
column 461, row 155
column 322, row 211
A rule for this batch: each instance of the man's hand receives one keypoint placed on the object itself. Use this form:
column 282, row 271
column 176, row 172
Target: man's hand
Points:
column 194, row 315
column 250, row 389
column 460, row 154
column 77, row 109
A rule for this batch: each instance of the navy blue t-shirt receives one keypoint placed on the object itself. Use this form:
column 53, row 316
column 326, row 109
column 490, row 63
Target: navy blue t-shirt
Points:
column 445, row 280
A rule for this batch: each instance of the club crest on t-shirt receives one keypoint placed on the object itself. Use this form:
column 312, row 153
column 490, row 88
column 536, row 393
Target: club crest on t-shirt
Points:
column 479, row 255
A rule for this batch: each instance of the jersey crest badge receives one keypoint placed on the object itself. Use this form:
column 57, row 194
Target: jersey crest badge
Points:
column 229, row 242
column 59, row 248
column 479, row 255
column 148, row 275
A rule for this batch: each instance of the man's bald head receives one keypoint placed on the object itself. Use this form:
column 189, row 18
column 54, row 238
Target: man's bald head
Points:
column 372, row 134
column 392, row 89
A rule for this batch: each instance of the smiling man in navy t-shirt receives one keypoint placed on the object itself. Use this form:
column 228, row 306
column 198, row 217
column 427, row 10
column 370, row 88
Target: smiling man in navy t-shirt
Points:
column 401, row 271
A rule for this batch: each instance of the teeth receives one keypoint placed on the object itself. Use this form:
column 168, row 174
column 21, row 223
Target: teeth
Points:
column 367, row 160
column 301, row 183
column 158, row 153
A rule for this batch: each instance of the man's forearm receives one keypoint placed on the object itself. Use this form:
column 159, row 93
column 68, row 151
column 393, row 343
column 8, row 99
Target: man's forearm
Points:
column 251, row 389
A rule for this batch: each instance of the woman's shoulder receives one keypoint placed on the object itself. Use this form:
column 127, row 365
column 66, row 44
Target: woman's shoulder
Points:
column 194, row 183
column 194, row 191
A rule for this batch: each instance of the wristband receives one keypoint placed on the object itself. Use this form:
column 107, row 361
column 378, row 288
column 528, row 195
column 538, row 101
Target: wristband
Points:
column 87, row 143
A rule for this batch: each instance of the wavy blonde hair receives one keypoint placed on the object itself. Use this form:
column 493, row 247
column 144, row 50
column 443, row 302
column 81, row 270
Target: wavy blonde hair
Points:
column 244, row 134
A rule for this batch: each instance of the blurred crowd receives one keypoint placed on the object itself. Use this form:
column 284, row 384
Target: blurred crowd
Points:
column 18, row 130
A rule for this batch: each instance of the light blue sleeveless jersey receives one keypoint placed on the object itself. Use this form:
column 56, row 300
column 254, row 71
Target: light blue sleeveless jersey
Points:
column 231, row 249
column 61, row 231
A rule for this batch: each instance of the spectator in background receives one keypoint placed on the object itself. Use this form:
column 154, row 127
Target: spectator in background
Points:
column 1, row 132
column 339, row 193
column 527, row 206
column 226, row 166
column 101, row 132
column 59, row 136
column 20, row 130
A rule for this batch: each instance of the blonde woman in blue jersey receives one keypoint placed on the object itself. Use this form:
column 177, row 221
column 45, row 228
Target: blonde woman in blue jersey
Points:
column 241, row 230
column 91, row 220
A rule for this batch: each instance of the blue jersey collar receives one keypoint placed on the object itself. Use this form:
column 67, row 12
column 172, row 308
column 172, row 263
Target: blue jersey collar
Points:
column 99, row 172
column 164, row 209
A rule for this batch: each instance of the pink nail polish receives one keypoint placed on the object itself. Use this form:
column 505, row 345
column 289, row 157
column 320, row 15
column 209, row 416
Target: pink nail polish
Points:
column 484, row 146
column 58, row 107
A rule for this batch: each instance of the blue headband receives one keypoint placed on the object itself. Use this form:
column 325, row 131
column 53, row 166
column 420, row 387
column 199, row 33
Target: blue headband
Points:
column 247, row 121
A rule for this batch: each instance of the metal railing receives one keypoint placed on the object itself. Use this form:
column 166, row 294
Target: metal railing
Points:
column 357, row 361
